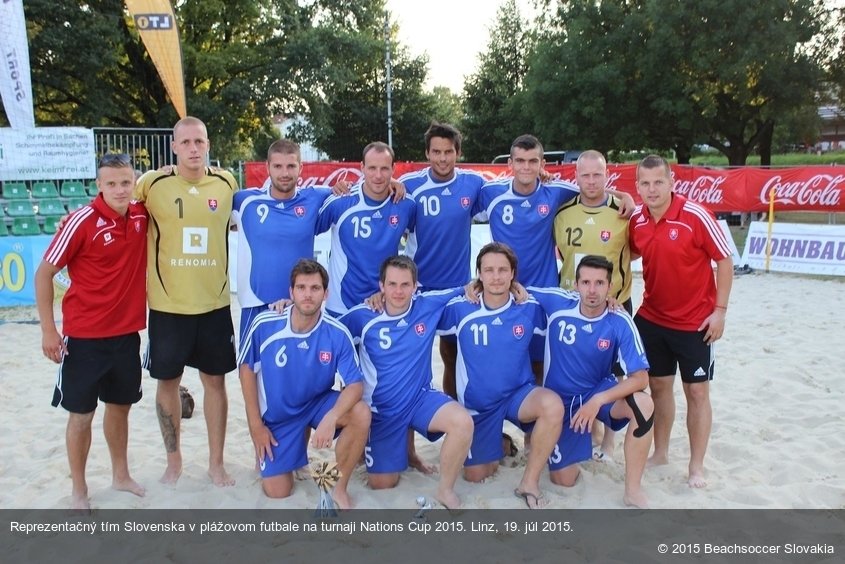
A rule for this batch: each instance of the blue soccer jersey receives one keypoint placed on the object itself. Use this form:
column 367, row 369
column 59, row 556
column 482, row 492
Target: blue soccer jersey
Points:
column 395, row 350
column 294, row 368
column 493, row 360
column 526, row 224
column 364, row 233
column 580, row 351
column 439, row 244
column 272, row 236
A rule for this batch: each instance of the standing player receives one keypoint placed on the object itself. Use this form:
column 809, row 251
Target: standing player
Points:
column 276, row 228
column 590, row 224
column 104, row 248
column 679, row 322
column 439, row 244
column 395, row 350
column 278, row 352
column 366, row 228
column 188, row 290
column 494, row 372
column 584, row 339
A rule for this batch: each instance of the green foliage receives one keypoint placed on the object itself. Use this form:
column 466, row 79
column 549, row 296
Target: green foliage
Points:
column 494, row 101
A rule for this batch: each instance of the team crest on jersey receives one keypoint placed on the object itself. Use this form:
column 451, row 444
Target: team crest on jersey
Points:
column 604, row 344
column 543, row 209
column 420, row 329
column 393, row 220
column 325, row 357
column 605, row 235
column 518, row 331
column 465, row 202
column 212, row 204
column 299, row 211
column 673, row 233
column 137, row 226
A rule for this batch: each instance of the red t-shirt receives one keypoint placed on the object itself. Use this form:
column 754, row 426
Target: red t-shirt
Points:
column 680, row 288
column 106, row 257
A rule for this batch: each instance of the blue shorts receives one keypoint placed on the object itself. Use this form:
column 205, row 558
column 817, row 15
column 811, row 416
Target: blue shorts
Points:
column 487, row 438
column 247, row 315
column 574, row 446
column 292, row 450
column 387, row 447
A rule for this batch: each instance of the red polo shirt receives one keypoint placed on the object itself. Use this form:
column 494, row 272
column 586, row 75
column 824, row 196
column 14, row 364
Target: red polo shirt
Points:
column 106, row 257
column 680, row 288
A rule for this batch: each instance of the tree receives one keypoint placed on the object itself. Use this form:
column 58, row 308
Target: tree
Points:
column 494, row 101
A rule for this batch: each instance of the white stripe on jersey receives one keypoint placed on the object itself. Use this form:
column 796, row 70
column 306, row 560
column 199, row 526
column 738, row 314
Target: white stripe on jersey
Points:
column 713, row 228
column 66, row 234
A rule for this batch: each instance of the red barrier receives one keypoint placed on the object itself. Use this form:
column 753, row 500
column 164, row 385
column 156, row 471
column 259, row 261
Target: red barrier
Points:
column 812, row 188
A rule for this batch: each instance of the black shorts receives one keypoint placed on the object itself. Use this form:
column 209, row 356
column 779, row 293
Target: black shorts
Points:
column 617, row 368
column 205, row 341
column 107, row 368
column 667, row 349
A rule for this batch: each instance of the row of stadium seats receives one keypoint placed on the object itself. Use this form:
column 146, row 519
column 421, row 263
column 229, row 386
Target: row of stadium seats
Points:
column 29, row 225
column 47, row 189
column 47, row 207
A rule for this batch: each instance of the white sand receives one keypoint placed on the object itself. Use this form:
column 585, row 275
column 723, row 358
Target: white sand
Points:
column 777, row 440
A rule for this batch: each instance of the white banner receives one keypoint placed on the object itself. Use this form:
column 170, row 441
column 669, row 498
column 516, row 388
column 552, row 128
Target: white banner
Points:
column 797, row 247
column 47, row 153
column 15, row 81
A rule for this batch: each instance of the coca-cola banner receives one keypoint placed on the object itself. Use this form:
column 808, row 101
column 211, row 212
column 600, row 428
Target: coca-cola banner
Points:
column 797, row 247
column 812, row 188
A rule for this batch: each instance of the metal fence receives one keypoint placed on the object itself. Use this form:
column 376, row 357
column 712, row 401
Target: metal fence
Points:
column 149, row 148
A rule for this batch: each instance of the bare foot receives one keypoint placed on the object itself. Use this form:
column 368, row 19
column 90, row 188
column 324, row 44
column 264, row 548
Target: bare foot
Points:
column 696, row 479
column 220, row 478
column 79, row 503
column 342, row 499
column 171, row 474
column 655, row 460
column 414, row 461
column 532, row 500
column 637, row 499
column 129, row 485
column 448, row 498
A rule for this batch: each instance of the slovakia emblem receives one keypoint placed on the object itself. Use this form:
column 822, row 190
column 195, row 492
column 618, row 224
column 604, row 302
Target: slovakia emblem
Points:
column 518, row 331
column 543, row 209
column 325, row 357
column 465, row 202
column 137, row 227
column 605, row 235
column 212, row 204
column 673, row 233
column 604, row 344
column 299, row 211
column 393, row 220
column 420, row 329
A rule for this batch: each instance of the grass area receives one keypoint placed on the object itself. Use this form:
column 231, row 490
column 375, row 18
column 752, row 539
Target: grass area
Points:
column 790, row 159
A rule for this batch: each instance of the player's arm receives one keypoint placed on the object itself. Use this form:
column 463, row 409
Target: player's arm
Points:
column 583, row 419
column 262, row 439
column 715, row 322
column 52, row 344
column 324, row 434
column 626, row 202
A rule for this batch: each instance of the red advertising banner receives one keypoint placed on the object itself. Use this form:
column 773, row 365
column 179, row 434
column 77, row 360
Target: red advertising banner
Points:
column 812, row 188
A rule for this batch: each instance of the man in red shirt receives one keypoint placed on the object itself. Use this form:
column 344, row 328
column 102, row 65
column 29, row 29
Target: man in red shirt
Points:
column 104, row 248
column 683, row 309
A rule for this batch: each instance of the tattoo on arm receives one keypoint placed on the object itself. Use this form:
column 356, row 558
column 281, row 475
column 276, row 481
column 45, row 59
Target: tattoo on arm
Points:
column 168, row 429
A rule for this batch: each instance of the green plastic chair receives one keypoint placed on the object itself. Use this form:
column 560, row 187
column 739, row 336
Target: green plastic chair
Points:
column 25, row 226
column 73, row 189
column 74, row 204
column 4, row 231
column 44, row 189
column 51, row 224
column 92, row 189
column 20, row 208
column 51, row 207
column 15, row 191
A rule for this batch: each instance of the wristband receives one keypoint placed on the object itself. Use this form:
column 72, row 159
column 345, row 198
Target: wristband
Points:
column 724, row 308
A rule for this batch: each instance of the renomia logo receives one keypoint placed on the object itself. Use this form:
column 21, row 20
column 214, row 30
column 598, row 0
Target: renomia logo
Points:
column 153, row 21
